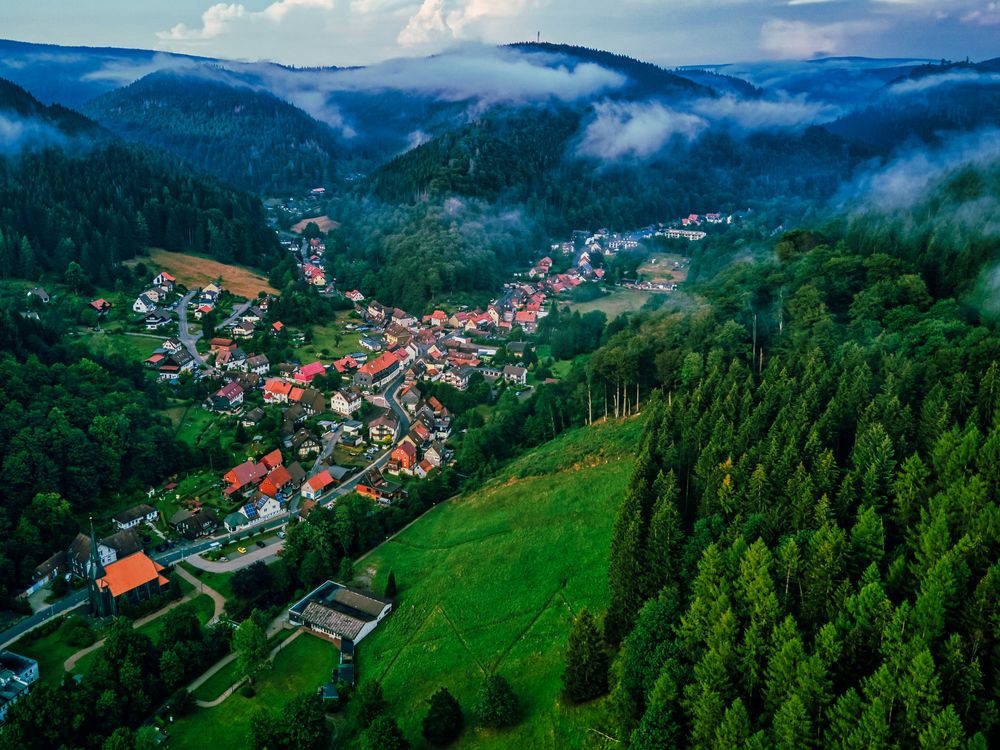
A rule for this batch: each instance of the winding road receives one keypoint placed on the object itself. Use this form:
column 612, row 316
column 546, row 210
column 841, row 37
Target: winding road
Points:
column 190, row 340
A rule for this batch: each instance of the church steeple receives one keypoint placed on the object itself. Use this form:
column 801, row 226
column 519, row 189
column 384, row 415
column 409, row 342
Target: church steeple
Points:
column 95, row 571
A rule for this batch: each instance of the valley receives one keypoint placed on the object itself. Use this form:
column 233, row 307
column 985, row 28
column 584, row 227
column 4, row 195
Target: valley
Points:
column 493, row 395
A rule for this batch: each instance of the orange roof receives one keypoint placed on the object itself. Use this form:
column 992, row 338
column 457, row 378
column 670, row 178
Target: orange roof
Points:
column 320, row 482
column 376, row 366
column 295, row 394
column 267, row 488
column 278, row 386
column 272, row 459
column 130, row 573
column 280, row 477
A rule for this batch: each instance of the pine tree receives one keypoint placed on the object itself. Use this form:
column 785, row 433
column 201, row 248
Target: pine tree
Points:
column 390, row 585
column 586, row 673
column 665, row 537
column 384, row 734
column 625, row 574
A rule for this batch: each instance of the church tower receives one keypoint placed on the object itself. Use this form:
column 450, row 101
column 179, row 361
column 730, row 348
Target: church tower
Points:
column 95, row 571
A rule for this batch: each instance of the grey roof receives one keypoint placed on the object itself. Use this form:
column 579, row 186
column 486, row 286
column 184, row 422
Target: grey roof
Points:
column 341, row 623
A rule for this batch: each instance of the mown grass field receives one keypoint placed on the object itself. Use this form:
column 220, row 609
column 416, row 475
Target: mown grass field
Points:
column 325, row 224
column 133, row 347
column 331, row 341
column 303, row 666
column 196, row 271
column 489, row 583
column 659, row 268
column 616, row 303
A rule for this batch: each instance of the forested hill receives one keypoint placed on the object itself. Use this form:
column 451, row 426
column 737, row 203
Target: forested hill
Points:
column 644, row 78
column 75, row 193
column 807, row 554
column 241, row 134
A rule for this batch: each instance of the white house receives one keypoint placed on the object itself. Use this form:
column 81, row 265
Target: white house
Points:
column 143, row 304
column 345, row 402
column 129, row 519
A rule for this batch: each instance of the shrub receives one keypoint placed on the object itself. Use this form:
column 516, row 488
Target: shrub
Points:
column 444, row 720
column 248, row 691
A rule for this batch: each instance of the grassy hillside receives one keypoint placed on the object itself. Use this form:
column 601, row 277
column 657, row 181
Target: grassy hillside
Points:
column 489, row 582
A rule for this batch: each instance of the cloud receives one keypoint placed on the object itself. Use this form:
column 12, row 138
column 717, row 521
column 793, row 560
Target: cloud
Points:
column 918, row 85
column 454, row 19
column 910, row 178
column 17, row 134
column 635, row 130
column 219, row 18
column 472, row 72
column 278, row 10
column 800, row 39
column 214, row 21
column 425, row 25
column 988, row 15
column 762, row 114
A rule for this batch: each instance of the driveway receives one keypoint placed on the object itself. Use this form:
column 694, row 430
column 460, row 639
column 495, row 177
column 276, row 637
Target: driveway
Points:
column 189, row 339
column 255, row 553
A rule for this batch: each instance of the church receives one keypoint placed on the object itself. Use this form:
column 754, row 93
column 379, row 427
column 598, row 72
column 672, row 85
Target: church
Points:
column 127, row 581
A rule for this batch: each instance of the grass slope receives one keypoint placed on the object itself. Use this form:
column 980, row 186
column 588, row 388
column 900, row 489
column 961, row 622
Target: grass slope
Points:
column 489, row 582
column 197, row 271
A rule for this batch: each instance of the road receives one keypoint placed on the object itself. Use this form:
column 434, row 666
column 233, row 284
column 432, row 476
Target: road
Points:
column 14, row 632
column 190, row 340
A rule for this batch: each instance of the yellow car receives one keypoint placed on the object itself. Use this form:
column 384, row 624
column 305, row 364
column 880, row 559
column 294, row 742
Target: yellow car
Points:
column 241, row 550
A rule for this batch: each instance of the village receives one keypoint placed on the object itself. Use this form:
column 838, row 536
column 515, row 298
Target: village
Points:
column 356, row 420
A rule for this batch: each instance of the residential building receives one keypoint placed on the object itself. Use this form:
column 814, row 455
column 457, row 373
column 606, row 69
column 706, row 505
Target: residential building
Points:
column 383, row 428
column 194, row 524
column 514, row 374
column 143, row 304
column 345, row 402
column 17, row 675
column 306, row 373
column 129, row 519
column 375, row 374
column 304, row 443
column 258, row 364
column 228, row 398
column 314, row 487
column 404, row 458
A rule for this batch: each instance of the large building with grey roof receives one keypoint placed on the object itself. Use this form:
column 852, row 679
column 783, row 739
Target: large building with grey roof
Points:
column 339, row 613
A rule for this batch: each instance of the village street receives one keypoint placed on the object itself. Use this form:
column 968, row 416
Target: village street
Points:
column 190, row 340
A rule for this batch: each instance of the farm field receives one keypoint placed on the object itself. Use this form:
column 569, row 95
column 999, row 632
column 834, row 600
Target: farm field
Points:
column 458, row 620
column 196, row 271
column 616, row 303
column 303, row 666
column 325, row 224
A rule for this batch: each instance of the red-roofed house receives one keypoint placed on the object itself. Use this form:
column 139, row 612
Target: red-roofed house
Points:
column 376, row 373
column 228, row 398
column 272, row 459
column 306, row 373
column 276, row 391
column 405, row 457
column 315, row 486
column 101, row 305
column 244, row 477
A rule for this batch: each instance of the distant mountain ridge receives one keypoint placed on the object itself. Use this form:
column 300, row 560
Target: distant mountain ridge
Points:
column 244, row 135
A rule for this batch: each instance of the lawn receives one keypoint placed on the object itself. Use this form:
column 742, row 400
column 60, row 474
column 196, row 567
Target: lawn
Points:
column 325, row 345
column 50, row 651
column 303, row 666
column 222, row 680
column 615, row 303
column 195, row 422
column 195, row 271
column 218, row 581
column 489, row 582
column 134, row 347
column 203, row 608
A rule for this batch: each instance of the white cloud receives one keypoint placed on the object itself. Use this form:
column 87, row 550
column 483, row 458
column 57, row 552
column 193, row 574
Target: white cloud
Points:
column 762, row 114
column 987, row 15
column 917, row 85
column 799, row 39
column 277, row 11
column 635, row 130
column 454, row 19
column 219, row 18
column 214, row 21
column 425, row 25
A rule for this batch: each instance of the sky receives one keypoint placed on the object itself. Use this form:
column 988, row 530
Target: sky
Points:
column 667, row 32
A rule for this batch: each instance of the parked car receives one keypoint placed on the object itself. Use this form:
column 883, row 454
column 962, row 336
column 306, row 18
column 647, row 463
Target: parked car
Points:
column 241, row 550
column 260, row 543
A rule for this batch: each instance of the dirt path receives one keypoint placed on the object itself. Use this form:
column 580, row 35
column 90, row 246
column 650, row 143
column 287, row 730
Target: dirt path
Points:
column 276, row 625
column 200, row 588
column 217, row 599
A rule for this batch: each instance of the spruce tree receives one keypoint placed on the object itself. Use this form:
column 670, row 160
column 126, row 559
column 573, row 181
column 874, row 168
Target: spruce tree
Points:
column 390, row 585
column 497, row 704
column 586, row 674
